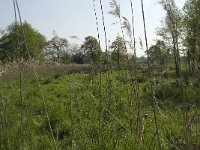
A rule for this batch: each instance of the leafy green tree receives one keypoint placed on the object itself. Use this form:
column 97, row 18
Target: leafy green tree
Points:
column 21, row 42
column 77, row 54
column 159, row 53
column 119, row 54
column 78, row 58
column 173, row 26
column 92, row 50
column 66, row 58
column 192, row 33
column 56, row 48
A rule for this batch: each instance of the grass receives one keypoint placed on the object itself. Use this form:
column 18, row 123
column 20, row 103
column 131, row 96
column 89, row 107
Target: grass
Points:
column 77, row 107
column 81, row 117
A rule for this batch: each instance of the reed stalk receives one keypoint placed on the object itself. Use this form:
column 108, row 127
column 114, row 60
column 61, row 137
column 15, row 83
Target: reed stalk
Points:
column 100, row 76
column 145, row 34
column 187, row 133
column 17, row 10
column 71, row 117
column 20, row 76
column 133, row 29
column 116, row 11
column 105, row 32
column 155, row 118
column 5, row 123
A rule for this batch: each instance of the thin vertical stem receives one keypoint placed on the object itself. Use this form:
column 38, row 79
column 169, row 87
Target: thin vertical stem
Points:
column 36, row 76
column 20, row 77
column 104, row 28
column 145, row 34
column 100, row 75
column 133, row 29
column 97, row 23
column 71, row 116
column 155, row 120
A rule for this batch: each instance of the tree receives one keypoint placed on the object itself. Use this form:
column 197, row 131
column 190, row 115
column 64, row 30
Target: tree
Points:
column 192, row 33
column 92, row 50
column 1, row 32
column 119, row 54
column 78, row 58
column 56, row 48
column 159, row 53
column 77, row 54
column 21, row 42
column 173, row 26
column 116, row 11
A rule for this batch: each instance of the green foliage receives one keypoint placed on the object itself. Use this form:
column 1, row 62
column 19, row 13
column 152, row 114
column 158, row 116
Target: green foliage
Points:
column 82, row 117
column 21, row 42
column 119, row 54
column 66, row 58
column 191, row 25
column 92, row 50
column 78, row 58
column 172, row 32
column 56, row 49
column 173, row 93
column 160, row 53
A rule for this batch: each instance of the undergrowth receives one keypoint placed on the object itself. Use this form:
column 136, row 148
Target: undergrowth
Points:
column 81, row 116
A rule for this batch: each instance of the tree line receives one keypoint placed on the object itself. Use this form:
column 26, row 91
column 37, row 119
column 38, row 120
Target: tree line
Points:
column 25, row 42
column 178, row 38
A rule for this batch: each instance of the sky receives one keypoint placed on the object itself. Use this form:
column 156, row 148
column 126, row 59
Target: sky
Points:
column 76, row 18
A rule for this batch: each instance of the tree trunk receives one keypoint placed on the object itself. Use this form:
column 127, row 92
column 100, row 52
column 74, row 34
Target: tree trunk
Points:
column 176, row 56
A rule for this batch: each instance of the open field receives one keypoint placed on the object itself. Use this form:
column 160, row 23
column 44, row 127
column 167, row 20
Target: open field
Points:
column 113, row 75
column 93, row 110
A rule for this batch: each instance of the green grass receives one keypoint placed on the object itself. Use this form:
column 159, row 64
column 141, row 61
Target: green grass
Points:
column 85, row 115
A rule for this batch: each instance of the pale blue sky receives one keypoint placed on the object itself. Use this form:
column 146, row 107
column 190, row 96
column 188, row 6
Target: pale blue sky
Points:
column 76, row 17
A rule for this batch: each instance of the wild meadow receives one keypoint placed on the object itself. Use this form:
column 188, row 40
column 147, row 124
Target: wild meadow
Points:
column 56, row 95
column 88, row 110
